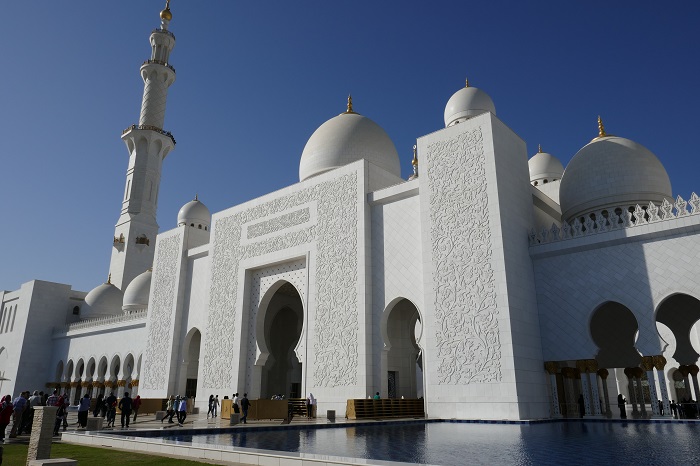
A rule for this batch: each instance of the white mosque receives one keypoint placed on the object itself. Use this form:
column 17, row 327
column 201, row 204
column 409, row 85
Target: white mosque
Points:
column 488, row 285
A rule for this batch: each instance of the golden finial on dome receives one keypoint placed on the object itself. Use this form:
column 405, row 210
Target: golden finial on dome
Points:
column 539, row 148
column 414, row 162
column 166, row 14
column 466, row 80
column 349, row 110
column 109, row 279
column 601, row 128
column 196, row 197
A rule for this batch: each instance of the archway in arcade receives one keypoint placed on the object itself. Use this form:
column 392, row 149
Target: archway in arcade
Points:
column 680, row 313
column 190, row 363
column 113, row 376
column 403, row 367
column 614, row 329
column 279, row 329
column 102, row 375
column 90, row 376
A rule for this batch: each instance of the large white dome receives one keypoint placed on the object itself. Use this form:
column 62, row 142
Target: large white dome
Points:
column 466, row 103
column 544, row 166
column 194, row 214
column 611, row 171
column 136, row 294
column 344, row 139
column 103, row 300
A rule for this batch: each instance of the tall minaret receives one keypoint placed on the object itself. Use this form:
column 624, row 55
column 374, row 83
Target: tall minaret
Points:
column 148, row 145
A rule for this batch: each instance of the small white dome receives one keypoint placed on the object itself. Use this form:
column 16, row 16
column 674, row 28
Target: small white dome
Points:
column 194, row 213
column 344, row 139
column 466, row 103
column 611, row 171
column 544, row 166
column 136, row 294
column 104, row 300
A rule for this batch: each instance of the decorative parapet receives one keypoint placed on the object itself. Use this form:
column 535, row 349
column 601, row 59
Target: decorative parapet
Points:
column 151, row 128
column 613, row 219
column 159, row 62
column 101, row 321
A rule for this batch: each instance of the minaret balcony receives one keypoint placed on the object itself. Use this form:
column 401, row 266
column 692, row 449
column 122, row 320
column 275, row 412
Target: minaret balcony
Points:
column 167, row 134
column 159, row 62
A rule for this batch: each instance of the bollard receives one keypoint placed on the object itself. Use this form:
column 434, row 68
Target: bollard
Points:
column 42, row 433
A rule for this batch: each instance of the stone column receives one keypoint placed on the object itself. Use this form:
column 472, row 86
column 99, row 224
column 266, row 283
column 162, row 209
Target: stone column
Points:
column 582, row 366
column 42, row 433
column 648, row 366
column 629, row 371
column 569, row 374
column 638, row 373
column 592, row 367
column 74, row 387
column 109, row 387
column 685, row 370
column 134, row 388
column 603, row 374
column 121, row 388
column 694, row 374
column 551, row 368
column 659, row 364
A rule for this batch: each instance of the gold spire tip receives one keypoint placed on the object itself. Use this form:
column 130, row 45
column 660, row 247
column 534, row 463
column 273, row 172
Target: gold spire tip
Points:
column 466, row 80
column 166, row 14
column 349, row 110
column 601, row 128
column 539, row 148
column 196, row 196
column 415, row 156
column 109, row 279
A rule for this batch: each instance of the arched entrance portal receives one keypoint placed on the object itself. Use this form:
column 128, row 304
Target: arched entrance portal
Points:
column 190, row 363
column 279, row 328
column 403, row 362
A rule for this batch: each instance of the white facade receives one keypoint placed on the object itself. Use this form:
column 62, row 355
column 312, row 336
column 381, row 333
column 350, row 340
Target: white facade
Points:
column 464, row 286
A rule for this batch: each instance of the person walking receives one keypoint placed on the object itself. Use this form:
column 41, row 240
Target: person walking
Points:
column 98, row 405
column 210, row 405
column 60, row 415
column 83, row 410
column 169, row 410
column 245, row 404
column 111, row 409
column 6, row 410
column 310, row 402
column 236, row 403
column 183, row 411
column 136, row 405
column 125, row 406
column 19, row 405
column 216, row 405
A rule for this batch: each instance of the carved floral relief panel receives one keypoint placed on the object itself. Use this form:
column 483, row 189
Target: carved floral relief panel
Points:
column 161, row 310
column 467, row 336
column 336, row 321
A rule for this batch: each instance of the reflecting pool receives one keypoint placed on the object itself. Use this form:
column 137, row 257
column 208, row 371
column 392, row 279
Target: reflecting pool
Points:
column 458, row 444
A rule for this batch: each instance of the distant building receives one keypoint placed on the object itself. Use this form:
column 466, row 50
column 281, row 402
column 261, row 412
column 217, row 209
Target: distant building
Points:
column 491, row 286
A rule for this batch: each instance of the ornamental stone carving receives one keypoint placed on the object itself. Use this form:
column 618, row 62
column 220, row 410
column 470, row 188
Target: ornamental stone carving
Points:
column 467, row 336
column 279, row 223
column 336, row 322
column 161, row 311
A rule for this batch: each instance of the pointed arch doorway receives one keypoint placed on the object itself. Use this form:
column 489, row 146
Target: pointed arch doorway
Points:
column 402, row 358
column 279, row 323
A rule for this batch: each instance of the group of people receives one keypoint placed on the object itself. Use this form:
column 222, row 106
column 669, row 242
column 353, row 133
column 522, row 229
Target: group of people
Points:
column 20, row 412
column 176, row 406
column 241, row 406
column 213, row 406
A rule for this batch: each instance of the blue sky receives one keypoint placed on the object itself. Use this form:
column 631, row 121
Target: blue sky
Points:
column 255, row 79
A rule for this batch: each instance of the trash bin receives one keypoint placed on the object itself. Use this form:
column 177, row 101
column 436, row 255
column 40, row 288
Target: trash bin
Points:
column 330, row 414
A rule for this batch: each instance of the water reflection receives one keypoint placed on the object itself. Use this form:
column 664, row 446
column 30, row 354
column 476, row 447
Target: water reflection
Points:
column 456, row 444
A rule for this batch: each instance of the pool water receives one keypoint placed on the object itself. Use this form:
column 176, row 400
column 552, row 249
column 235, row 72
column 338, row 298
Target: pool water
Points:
column 458, row 444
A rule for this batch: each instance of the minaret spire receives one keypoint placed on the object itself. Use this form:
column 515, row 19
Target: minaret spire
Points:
column 414, row 162
column 148, row 145
column 349, row 110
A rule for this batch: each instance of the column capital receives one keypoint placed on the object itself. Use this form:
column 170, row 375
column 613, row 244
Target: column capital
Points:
column 603, row 373
column 592, row 365
column 684, row 370
column 121, row 383
column 582, row 365
column 647, row 363
column 693, row 369
column 638, row 372
column 551, row 367
column 659, row 362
